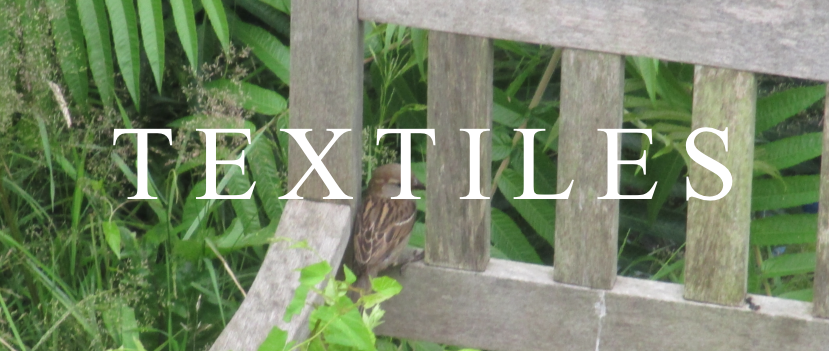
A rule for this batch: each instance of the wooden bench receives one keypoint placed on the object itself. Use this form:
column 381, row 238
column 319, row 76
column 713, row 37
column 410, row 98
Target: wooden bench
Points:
column 459, row 295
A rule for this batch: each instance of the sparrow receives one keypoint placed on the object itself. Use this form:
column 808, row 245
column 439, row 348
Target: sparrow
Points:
column 382, row 225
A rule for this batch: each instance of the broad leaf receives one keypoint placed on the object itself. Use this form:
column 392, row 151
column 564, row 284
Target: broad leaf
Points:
column 777, row 107
column 216, row 12
column 152, row 33
column 770, row 194
column 99, row 48
column 790, row 151
column 784, row 230
column 252, row 97
column 540, row 214
column 275, row 55
column 69, row 44
column 186, row 27
column 125, row 33
column 789, row 264
column 507, row 237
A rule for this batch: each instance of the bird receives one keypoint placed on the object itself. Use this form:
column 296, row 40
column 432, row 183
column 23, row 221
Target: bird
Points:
column 382, row 225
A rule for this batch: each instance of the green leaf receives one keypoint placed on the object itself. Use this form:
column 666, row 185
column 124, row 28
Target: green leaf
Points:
column 507, row 111
column 770, row 194
column 281, row 5
column 155, row 204
column 384, row 289
column 268, row 49
column 784, row 230
column 152, row 32
column 47, row 152
column 420, row 46
column 99, row 48
column 790, row 151
column 525, row 71
column 220, row 187
column 252, row 97
column 789, row 264
column 777, row 107
column 186, row 27
column 507, row 237
column 350, row 278
column 297, row 303
column 113, row 237
column 268, row 183
column 69, row 44
column 649, row 69
column 270, row 17
column 246, row 209
column 275, row 341
column 540, row 214
column 192, row 206
column 314, row 274
column 501, row 144
column 216, row 12
column 664, row 171
column 343, row 328
column 309, row 277
column 125, row 33
column 129, row 328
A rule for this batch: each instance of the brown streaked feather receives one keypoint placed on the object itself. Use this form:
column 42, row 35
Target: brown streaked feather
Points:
column 382, row 225
column 382, row 232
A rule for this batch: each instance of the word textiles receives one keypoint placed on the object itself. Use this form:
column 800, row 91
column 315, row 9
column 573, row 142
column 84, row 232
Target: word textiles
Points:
column 406, row 148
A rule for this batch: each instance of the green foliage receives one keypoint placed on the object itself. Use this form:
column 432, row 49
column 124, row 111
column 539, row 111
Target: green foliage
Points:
column 89, row 268
column 84, row 267
column 340, row 323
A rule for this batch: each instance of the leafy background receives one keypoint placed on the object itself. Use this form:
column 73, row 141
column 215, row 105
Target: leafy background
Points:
column 84, row 267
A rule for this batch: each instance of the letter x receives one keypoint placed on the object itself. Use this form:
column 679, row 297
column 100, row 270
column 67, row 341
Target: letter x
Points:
column 334, row 191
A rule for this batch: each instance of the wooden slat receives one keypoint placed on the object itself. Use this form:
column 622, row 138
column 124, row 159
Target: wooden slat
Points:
column 821, row 283
column 327, row 93
column 516, row 306
column 716, row 256
column 460, row 96
column 592, row 93
column 326, row 227
column 763, row 35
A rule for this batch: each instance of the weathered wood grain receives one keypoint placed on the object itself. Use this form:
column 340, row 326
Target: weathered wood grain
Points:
column 770, row 36
column 459, row 97
column 326, row 227
column 517, row 306
column 327, row 93
column 592, row 95
column 716, row 251
column 821, row 283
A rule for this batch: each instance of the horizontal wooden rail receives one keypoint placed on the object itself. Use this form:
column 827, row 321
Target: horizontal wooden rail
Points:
column 518, row 306
column 776, row 37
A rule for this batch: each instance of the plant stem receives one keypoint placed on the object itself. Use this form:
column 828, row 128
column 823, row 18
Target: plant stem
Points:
column 539, row 92
column 11, row 221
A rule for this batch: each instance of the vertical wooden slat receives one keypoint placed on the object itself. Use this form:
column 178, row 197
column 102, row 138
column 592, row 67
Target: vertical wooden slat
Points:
column 821, row 284
column 592, row 94
column 326, row 93
column 716, row 255
column 460, row 96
